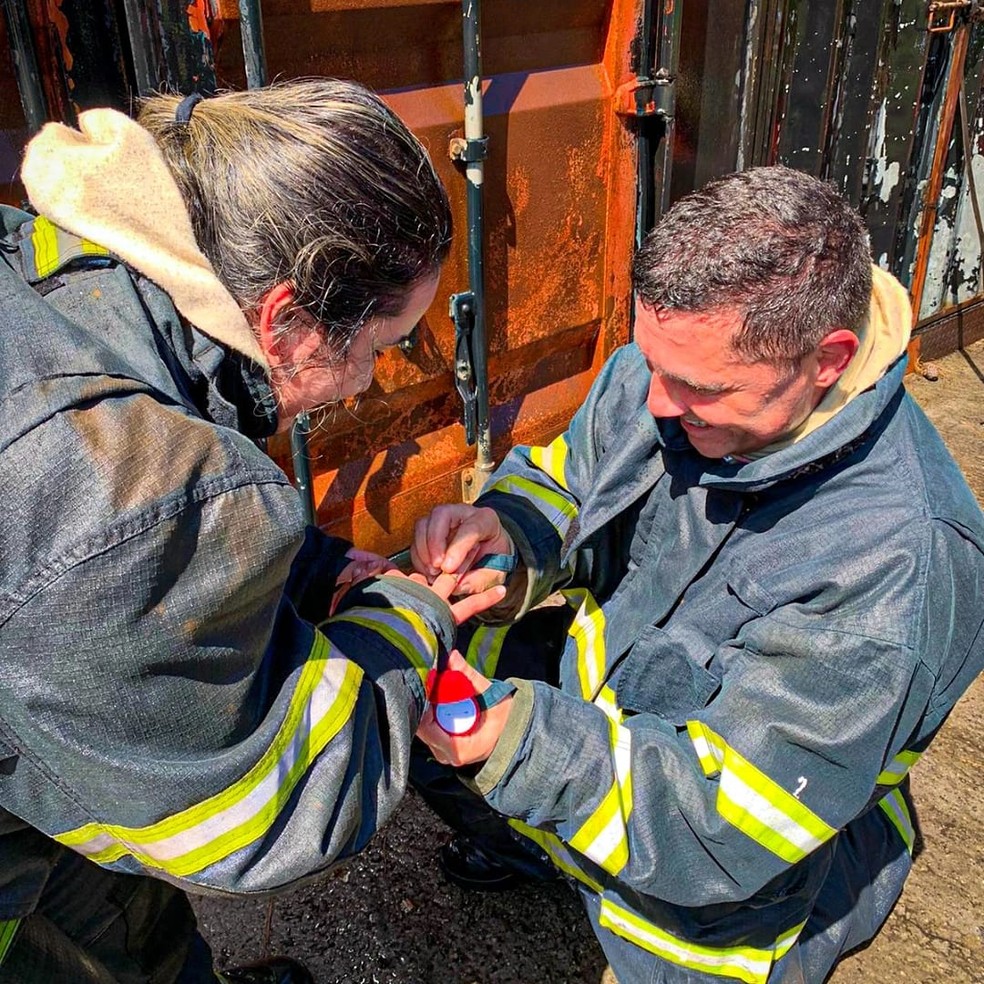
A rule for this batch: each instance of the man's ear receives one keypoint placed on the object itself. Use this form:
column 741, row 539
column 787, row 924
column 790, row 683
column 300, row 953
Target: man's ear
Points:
column 293, row 346
column 834, row 353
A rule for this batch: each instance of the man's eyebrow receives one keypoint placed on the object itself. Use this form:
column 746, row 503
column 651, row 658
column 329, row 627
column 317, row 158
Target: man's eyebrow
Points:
column 690, row 383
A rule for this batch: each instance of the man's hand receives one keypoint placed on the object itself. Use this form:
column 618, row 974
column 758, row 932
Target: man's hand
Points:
column 444, row 587
column 460, row 750
column 452, row 538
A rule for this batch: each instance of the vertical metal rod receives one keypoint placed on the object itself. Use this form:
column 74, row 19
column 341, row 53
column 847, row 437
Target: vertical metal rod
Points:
column 254, row 57
column 254, row 52
column 934, row 183
column 25, row 64
column 145, row 75
column 667, row 61
column 471, row 11
column 302, row 466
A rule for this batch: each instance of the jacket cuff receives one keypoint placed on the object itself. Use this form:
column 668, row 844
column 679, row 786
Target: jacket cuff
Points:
column 314, row 573
column 517, row 724
column 400, row 592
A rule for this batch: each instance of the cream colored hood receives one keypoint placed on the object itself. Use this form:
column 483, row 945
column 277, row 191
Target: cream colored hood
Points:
column 107, row 182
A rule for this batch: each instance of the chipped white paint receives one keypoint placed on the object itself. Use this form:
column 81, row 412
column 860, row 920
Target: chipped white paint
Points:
column 883, row 261
column 884, row 175
column 474, row 171
column 967, row 245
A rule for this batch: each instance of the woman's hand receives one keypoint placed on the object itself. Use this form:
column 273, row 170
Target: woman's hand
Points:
column 449, row 540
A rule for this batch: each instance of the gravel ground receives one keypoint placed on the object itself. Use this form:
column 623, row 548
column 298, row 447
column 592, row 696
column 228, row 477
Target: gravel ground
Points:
column 388, row 917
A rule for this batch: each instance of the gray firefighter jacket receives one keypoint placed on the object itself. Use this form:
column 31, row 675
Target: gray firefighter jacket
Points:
column 760, row 652
column 174, row 699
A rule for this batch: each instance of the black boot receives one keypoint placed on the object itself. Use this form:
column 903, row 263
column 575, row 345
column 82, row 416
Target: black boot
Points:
column 473, row 863
column 273, row 970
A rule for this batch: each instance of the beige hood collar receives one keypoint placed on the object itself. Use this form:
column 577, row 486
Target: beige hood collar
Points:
column 883, row 338
column 108, row 182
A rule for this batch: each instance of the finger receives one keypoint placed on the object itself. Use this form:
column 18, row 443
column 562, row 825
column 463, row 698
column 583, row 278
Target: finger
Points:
column 441, row 523
column 472, row 605
column 480, row 580
column 420, row 555
column 444, row 585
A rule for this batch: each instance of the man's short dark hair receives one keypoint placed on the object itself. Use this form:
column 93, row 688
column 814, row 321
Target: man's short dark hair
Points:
column 782, row 248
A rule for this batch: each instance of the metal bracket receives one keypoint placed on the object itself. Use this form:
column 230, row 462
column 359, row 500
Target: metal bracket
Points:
column 647, row 97
column 942, row 14
column 462, row 313
column 468, row 151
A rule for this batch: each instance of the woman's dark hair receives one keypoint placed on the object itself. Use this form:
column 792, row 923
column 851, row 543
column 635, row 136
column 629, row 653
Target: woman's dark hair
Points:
column 315, row 182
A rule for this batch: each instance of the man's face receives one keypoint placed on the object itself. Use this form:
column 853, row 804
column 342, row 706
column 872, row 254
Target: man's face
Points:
column 726, row 405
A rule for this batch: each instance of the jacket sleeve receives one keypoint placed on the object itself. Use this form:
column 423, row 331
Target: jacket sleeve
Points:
column 168, row 710
column 812, row 725
column 538, row 491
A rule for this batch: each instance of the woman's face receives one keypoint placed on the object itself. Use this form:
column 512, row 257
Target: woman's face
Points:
column 325, row 380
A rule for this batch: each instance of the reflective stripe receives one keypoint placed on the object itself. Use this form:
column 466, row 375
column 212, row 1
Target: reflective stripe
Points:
column 603, row 837
column 49, row 248
column 207, row 832
column 897, row 810
column 757, row 805
column 588, row 631
column 402, row 628
column 8, row 927
column 557, row 510
column 557, row 852
column 743, row 963
column 606, row 701
column 897, row 769
column 552, row 459
column 485, row 648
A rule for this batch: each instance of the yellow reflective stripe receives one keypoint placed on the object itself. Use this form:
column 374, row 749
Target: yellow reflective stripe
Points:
column 897, row 769
column 485, row 648
column 603, row 837
column 200, row 835
column 552, row 459
column 8, row 927
column 606, row 701
column 89, row 248
column 557, row 510
column 558, row 854
column 743, row 963
column 402, row 628
column 757, row 805
column 588, row 631
column 44, row 239
column 897, row 811
column 709, row 747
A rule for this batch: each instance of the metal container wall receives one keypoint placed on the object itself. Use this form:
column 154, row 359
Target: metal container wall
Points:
column 598, row 114
column 559, row 190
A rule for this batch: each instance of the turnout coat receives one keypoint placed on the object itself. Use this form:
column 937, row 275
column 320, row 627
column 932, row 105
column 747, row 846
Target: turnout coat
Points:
column 174, row 698
column 760, row 652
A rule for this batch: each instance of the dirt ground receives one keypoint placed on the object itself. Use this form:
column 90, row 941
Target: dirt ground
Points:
column 388, row 918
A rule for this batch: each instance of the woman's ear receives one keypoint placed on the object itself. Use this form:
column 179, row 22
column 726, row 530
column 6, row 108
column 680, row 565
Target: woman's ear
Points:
column 285, row 348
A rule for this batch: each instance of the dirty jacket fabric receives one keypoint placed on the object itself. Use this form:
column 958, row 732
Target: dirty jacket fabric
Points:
column 174, row 700
column 760, row 651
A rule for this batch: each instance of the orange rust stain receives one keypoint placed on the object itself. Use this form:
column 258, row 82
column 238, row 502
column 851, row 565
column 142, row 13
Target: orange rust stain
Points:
column 60, row 23
column 198, row 17
column 519, row 189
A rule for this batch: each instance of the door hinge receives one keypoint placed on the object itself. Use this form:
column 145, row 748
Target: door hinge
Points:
column 654, row 96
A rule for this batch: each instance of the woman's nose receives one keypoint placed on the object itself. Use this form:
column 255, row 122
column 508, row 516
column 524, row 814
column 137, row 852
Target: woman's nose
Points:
column 661, row 401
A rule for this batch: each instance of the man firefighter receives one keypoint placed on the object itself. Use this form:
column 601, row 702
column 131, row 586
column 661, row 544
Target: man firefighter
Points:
column 772, row 569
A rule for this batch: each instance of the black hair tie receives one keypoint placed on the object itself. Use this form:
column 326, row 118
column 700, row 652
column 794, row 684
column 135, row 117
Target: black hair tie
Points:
column 187, row 106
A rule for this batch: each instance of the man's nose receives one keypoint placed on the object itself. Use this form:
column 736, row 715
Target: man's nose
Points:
column 662, row 402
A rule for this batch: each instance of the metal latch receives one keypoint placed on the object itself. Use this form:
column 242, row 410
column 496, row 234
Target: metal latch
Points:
column 462, row 313
column 654, row 96
column 942, row 14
